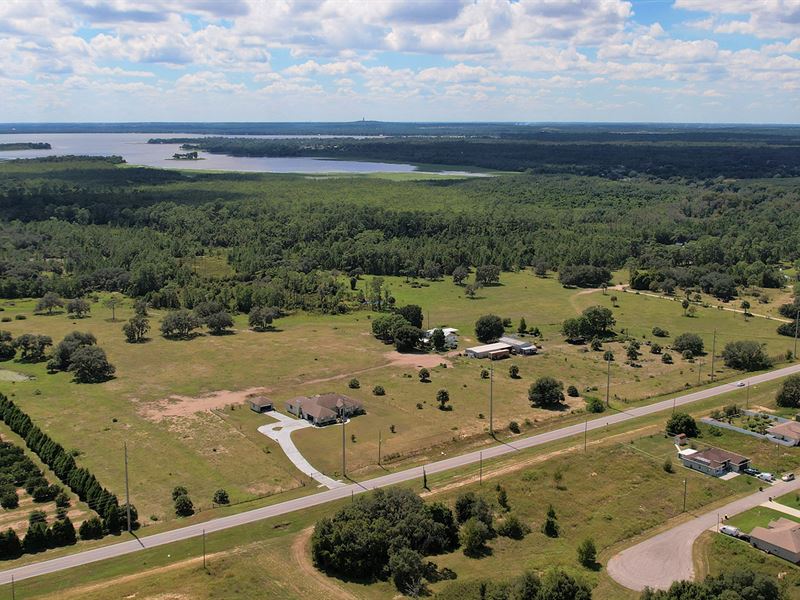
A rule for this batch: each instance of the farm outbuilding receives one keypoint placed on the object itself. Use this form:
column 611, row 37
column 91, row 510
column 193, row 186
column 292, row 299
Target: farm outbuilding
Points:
column 493, row 351
column 519, row 346
column 260, row 404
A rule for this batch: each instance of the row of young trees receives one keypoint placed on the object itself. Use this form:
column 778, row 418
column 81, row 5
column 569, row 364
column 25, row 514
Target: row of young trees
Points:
column 79, row 479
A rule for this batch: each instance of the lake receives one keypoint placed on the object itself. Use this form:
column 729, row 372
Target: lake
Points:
column 133, row 147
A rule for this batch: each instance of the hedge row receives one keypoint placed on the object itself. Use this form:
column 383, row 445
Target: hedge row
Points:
column 79, row 479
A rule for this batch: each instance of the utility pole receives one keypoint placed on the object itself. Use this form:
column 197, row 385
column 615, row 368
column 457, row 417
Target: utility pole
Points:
column 13, row 594
column 747, row 398
column 491, row 400
column 480, row 468
column 344, row 471
column 796, row 321
column 684, row 495
column 127, row 489
column 379, row 447
column 713, row 352
column 424, row 478
column 204, row 549
column 585, row 431
column 608, row 382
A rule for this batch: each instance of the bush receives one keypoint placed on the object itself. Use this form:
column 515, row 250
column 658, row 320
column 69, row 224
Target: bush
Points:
column 407, row 569
column 682, row 423
column 513, row 372
column 587, row 553
column 655, row 348
column 473, row 537
column 378, row 390
column 788, row 395
column 572, row 392
column 91, row 529
column 513, row 427
column 667, row 466
column 424, row 375
column 690, row 342
column 183, row 506
column 443, row 397
column 746, row 356
column 594, row 405
column 512, row 527
column 179, row 490
column 666, row 358
column 354, row 384
column 9, row 500
column 659, row 332
column 221, row 497
column 546, row 392
column 550, row 526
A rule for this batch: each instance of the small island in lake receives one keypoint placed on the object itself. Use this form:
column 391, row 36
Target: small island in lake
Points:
column 25, row 146
column 185, row 156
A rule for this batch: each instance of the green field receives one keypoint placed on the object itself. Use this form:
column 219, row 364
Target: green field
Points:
column 624, row 493
column 219, row 447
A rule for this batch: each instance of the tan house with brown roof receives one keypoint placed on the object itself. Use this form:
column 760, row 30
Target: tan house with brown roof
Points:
column 781, row 538
column 788, row 431
column 713, row 461
column 324, row 409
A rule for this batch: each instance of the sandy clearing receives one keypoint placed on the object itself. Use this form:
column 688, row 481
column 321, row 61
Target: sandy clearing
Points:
column 301, row 553
column 184, row 406
column 397, row 359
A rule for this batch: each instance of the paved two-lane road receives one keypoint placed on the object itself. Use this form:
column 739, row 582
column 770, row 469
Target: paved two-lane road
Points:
column 167, row 537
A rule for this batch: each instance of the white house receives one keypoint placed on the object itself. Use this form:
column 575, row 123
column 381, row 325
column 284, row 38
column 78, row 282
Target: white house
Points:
column 450, row 336
column 493, row 351
column 519, row 346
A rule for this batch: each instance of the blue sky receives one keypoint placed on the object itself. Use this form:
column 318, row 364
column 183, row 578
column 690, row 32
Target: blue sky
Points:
column 402, row 60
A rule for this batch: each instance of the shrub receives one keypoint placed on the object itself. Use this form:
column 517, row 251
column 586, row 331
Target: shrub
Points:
column 183, row 506
column 378, row 390
column 572, row 392
column 221, row 497
column 659, row 332
column 513, row 427
column 91, row 529
column 546, row 392
column 655, row 348
column 666, row 358
column 424, row 375
column 746, row 356
column 587, row 553
column 682, row 423
column 512, row 527
column 473, row 537
column 688, row 342
column 354, row 384
column 667, row 466
column 594, row 405
column 484, row 373
column 443, row 397
column 513, row 372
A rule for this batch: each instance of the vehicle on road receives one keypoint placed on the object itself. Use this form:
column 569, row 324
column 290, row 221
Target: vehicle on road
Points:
column 740, row 384
column 788, row 477
column 768, row 477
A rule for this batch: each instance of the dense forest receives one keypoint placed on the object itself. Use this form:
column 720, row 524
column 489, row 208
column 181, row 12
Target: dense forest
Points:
column 75, row 226
column 617, row 155
column 24, row 146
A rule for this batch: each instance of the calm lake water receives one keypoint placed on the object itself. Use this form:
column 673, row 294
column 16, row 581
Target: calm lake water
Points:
column 133, row 147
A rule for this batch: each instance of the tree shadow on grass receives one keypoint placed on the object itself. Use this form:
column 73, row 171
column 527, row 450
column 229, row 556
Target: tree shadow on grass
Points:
column 182, row 338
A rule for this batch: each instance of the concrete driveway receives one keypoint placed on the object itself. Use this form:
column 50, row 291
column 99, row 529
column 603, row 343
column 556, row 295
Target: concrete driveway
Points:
column 281, row 431
column 667, row 557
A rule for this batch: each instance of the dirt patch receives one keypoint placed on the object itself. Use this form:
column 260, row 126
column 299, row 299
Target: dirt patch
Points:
column 184, row 406
column 398, row 359
column 301, row 556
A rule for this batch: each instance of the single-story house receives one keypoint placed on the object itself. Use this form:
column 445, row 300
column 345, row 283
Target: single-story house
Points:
column 493, row 351
column 713, row 461
column 324, row 409
column 450, row 336
column 519, row 346
column 260, row 404
column 781, row 538
column 788, row 431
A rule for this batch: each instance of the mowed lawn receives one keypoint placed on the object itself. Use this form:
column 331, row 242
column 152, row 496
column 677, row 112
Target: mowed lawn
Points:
column 310, row 354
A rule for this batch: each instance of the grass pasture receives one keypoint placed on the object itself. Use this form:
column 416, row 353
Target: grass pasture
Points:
column 219, row 447
column 623, row 494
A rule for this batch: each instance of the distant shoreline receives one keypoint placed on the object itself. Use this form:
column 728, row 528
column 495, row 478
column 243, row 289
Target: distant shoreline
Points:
column 16, row 146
